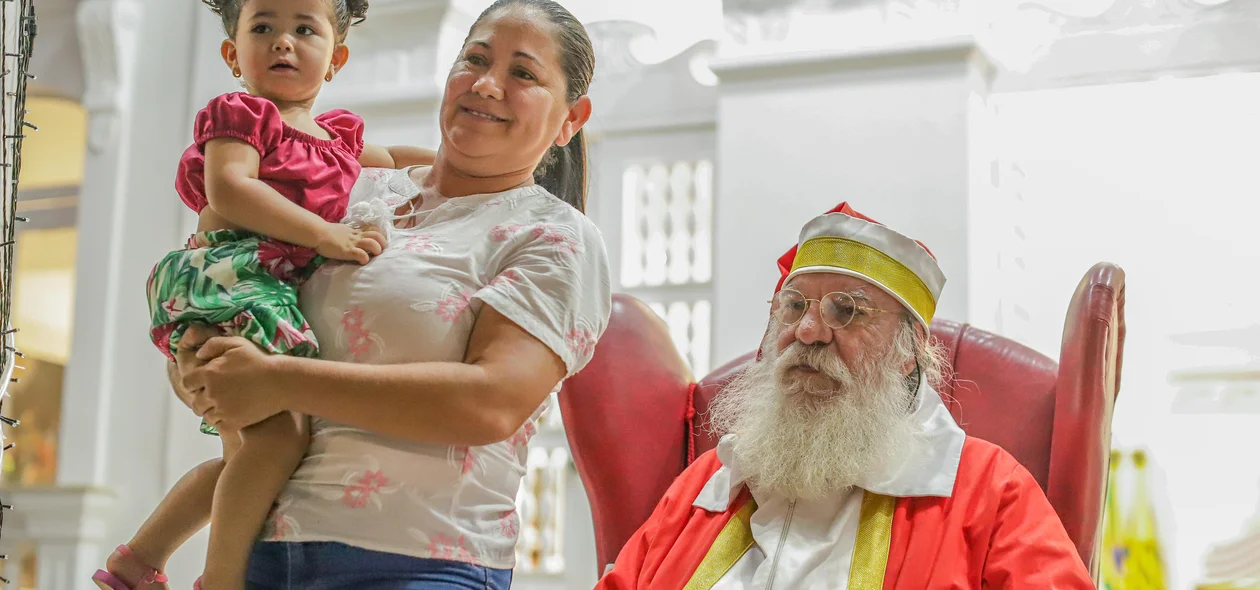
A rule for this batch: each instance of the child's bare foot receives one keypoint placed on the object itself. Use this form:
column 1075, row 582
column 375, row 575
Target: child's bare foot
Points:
column 126, row 571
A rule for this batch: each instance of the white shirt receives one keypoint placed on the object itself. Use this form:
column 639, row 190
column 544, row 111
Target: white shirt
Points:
column 536, row 260
column 813, row 539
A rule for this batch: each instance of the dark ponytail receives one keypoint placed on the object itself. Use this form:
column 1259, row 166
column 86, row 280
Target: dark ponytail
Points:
column 562, row 170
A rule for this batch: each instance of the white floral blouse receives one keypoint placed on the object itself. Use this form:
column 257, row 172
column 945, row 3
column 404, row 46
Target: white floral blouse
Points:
column 531, row 257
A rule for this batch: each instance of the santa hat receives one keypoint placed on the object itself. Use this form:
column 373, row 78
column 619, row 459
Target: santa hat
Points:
column 846, row 242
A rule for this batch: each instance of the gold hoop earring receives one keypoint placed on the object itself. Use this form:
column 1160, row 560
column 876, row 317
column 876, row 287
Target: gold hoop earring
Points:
column 236, row 72
column 329, row 77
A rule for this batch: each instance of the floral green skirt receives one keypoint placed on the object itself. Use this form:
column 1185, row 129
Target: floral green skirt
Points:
column 242, row 283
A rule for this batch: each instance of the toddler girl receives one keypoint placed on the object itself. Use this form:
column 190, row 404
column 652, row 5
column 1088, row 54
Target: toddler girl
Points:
column 271, row 184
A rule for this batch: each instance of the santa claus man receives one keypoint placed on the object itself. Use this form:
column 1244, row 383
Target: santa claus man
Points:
column 840, row 467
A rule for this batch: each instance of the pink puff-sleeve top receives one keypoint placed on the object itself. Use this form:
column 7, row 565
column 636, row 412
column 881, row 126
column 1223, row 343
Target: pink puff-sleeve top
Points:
column 315, row 173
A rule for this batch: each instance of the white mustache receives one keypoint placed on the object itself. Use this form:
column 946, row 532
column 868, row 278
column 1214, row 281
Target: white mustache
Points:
column 819, row 358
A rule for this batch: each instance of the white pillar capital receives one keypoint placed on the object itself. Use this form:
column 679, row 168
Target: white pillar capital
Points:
column 108, row 37
column 760, row 27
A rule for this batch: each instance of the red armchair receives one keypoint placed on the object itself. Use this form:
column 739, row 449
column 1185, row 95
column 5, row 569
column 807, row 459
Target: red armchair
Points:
column 634, row 416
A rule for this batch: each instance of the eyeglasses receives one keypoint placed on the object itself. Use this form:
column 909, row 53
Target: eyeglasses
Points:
column 838, row 309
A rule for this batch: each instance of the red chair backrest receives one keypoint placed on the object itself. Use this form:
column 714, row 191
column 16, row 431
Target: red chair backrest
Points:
column 634, row 420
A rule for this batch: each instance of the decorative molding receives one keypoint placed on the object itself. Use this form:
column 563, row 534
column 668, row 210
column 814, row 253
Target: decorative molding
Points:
column 757, row 8
column 923, row 9
column 108, row 36
column 1225, row 389
column 68, row 527
column 613, row 41
column 1054, row 43
column 1231, row 564
column 56, row 58
column 57, row 514
column 654, row 97
column 1242, row 374
column 1245, row 339
column 950, row 50
column 1117, row 15
column 889, row 10
column 768, row 26
column 749, row 28
column 1033, row 43
column 1217, row 390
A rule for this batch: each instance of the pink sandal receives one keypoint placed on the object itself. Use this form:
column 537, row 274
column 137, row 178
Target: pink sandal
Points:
column 108, row 581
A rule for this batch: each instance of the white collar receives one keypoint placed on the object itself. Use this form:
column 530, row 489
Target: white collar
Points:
column 930, row 472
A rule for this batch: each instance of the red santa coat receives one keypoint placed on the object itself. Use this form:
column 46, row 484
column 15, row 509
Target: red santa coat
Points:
column 996, row 530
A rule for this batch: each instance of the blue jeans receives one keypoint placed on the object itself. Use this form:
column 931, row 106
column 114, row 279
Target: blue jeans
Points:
column 334, row 566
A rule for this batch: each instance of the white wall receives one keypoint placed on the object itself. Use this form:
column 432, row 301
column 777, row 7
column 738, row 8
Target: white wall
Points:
column 1159, row 177
column 889, row 138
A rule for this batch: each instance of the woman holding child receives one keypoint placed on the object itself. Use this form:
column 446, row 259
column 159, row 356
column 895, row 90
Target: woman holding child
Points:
column 437, row 356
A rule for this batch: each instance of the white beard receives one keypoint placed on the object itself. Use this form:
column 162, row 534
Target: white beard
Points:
column 811, row 436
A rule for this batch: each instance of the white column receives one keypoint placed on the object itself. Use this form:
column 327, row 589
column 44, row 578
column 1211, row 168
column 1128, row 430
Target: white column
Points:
column 108, row 34
column 868, row 105
column 116, row 402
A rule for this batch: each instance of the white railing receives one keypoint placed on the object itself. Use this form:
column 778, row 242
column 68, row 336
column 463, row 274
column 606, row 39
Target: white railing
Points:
column 52, row 535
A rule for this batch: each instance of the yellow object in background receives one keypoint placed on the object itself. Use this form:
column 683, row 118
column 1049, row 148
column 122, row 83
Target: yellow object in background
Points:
column 1145, row 567
column 1115, row 552
column 1132, row 556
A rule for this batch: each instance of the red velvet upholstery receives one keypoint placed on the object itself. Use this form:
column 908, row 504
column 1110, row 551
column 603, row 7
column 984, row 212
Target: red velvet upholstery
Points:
column 634, row 421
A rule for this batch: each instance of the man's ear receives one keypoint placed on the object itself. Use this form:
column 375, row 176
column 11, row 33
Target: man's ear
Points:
column 768, row 338
column 920, row 335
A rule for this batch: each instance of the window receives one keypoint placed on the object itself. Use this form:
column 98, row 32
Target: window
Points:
column 667, row 249
column 541, row 500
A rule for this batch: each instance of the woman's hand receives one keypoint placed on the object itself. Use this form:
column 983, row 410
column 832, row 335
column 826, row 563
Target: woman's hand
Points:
column 186, row 359
column 236, row 386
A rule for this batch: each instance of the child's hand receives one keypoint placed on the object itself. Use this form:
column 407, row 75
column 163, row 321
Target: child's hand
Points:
column 367, row 227
column 342, row 242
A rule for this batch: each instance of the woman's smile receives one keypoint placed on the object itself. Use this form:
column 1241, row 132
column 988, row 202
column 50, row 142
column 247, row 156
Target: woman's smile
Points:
column 482, row 115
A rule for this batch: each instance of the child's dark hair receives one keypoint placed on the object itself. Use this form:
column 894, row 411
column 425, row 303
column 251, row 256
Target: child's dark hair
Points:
column 348, row 13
